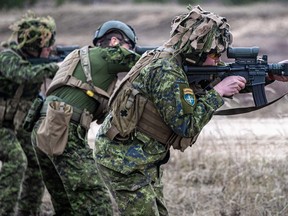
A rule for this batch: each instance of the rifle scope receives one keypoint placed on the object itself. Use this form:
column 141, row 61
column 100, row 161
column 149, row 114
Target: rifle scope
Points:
column 242, row 52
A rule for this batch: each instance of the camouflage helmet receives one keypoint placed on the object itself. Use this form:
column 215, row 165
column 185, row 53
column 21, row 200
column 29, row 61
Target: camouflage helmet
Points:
column 199, row 32
column 115, row 25
column 34, row 32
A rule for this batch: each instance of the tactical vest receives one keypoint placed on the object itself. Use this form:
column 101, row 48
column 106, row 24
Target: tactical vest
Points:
column 64, row 77
column 132, row 111
column 14, row 109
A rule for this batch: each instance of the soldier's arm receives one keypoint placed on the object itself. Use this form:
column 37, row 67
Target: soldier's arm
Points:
column 178, row 105
column 120, row 59
column 15, row 68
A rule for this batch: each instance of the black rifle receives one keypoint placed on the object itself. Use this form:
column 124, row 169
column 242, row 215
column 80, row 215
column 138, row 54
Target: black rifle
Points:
column 58, row 55
column 246, row 64
column 142, row 49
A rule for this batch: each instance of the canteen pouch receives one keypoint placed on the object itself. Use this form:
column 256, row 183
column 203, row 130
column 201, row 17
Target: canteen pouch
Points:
column 52, row 135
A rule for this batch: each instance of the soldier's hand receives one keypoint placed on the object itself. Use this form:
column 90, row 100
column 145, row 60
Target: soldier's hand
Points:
column 230, row 85
column 278, row 77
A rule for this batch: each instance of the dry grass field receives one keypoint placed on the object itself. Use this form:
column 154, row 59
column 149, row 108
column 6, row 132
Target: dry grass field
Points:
column 238, row 166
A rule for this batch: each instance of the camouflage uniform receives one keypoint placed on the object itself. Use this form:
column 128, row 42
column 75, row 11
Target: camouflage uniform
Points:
column 132, row 164
column 84, row 191
column 19, row 162
column 12, row 171
column 15, row 70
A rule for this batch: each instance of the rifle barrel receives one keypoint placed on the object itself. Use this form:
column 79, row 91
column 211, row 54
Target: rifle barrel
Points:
column 212, row 69
column 142, row 49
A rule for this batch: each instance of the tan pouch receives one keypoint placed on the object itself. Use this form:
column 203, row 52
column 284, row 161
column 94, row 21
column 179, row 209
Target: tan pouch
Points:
column 127, row 109
column 52, row 135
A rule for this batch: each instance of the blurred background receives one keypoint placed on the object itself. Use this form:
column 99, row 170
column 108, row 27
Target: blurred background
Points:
column 238, row 166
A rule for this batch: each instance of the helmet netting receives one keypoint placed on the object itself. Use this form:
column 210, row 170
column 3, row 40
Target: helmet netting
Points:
column 37, row 32
column 199, row 32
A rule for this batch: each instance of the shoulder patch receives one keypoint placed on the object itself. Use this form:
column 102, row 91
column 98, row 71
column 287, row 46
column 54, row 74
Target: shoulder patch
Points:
column 189, row 96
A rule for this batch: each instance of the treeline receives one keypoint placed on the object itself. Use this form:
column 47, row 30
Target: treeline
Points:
column 10, row 4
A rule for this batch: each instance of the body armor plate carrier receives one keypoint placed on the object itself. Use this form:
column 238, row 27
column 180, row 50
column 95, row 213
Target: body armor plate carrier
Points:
column 131, row 110
column 64, row 76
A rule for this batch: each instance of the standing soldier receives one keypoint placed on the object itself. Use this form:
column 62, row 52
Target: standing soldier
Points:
column 19, row 84
column 155, row 108
column 78, row 95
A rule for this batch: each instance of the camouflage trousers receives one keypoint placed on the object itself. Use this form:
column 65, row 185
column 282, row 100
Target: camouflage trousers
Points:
column 20, row 177
column 72, row 178
column 136, row 194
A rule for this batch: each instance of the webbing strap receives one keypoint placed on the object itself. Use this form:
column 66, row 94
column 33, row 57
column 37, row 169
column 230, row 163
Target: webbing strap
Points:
column 85, row 63
column 84, row 51
column 243, row 110
column 147, row 57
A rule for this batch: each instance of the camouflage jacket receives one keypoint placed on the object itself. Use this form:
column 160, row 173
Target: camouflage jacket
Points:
column 16, row 70
column 164, row 82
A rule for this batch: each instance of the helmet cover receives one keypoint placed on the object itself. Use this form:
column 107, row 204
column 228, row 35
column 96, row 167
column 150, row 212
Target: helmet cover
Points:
column 199, row 32
column 34, row 32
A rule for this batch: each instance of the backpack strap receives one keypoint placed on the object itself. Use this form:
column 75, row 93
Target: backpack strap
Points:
column 85, row 63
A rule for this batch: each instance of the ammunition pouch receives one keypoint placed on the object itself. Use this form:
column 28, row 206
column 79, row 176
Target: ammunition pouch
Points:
column 33, row 114
column 13, row 111
column 20, row 114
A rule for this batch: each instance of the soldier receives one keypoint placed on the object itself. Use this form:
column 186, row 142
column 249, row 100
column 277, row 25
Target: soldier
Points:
column 154, row 108
column 20, row 84
column 78, row 95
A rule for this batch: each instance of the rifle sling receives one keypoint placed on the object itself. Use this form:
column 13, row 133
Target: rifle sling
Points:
column 236, row 111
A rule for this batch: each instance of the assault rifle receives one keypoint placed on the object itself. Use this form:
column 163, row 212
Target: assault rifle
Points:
column 247, row 64
column 57, row 55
